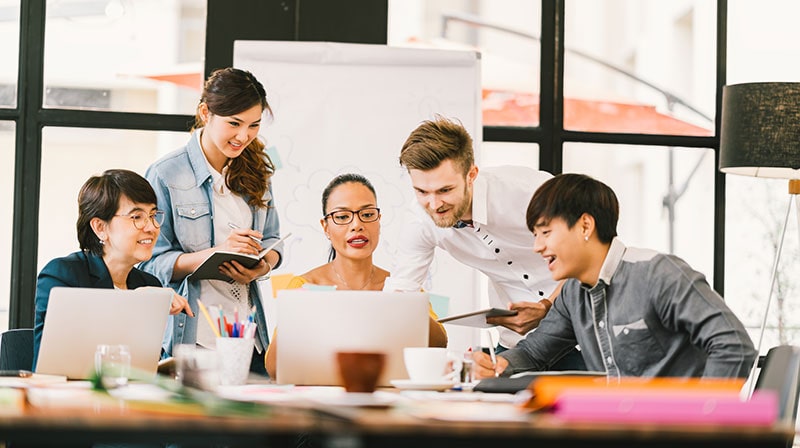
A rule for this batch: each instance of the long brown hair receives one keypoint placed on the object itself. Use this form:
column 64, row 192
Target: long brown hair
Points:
column 229, row 91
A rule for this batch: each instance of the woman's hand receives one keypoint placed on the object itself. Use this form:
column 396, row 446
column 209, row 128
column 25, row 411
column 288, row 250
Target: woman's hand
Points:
column 241, row 274
column 179, row 304
column 243, row 241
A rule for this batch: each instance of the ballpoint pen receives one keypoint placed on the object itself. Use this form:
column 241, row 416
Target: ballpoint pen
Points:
column 234, row 226
column 493, row 355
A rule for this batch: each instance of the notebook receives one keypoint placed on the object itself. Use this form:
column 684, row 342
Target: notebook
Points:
column 78, row 319
column 313, row 325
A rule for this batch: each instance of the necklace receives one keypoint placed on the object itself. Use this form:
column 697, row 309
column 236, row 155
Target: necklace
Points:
column 369, row 280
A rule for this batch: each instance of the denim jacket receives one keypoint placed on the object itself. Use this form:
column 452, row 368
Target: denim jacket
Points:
column 183, row 185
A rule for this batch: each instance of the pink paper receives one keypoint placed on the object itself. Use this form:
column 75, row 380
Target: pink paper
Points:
column 609, row 405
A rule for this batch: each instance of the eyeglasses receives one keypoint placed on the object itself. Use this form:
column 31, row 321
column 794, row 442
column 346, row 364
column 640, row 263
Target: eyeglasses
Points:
column 140, row 219
column 344, row 217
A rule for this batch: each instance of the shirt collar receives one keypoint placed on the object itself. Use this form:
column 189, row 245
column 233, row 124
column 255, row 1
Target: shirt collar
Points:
column 612, row 261
column 480, row 200
column 198, row 159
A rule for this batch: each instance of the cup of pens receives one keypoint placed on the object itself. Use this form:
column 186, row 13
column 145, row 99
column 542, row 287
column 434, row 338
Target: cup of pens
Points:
column 233, row 358
column 234, row 345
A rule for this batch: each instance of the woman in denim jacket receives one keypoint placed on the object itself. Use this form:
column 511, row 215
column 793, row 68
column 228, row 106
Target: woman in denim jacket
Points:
column 217, row 194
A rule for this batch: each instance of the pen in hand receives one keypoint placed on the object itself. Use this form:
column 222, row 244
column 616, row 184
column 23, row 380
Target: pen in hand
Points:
column 234, row 226
column 493, row 355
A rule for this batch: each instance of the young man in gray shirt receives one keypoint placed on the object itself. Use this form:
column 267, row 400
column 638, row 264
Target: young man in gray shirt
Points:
column 634, row 312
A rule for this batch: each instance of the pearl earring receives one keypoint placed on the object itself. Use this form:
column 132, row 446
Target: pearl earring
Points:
column 586, row 238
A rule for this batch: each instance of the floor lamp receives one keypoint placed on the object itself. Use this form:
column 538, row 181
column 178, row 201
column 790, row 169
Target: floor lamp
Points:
column 760, row 136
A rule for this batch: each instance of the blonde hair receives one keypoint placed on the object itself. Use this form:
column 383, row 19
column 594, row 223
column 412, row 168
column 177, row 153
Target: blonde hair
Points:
column 435, row 141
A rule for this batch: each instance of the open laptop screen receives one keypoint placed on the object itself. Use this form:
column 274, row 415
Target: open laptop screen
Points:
column 78, row 319
column 314, row 325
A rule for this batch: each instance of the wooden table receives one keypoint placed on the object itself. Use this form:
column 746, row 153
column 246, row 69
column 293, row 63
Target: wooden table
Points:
column 281, row 426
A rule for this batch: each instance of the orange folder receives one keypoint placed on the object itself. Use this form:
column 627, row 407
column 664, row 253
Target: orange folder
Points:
column 546, row 390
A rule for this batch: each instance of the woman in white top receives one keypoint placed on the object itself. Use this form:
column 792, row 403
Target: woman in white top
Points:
column 217, row 194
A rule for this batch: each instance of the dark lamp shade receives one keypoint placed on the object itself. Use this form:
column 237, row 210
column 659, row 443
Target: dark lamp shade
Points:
column 760, row 134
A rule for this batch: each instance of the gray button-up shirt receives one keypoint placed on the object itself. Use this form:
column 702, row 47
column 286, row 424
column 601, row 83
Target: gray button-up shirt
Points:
column 649, row 315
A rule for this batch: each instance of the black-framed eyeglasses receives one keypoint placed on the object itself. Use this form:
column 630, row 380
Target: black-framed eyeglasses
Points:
column 140, row 218
column 344, row 217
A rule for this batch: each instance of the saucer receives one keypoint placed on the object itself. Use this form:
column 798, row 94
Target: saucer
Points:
column 423, row 385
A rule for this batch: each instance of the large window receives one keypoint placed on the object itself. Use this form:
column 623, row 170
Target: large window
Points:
column 86, row 152
column 642, row 67
column 666, row 195
column 634, row 104
column 7, row 195
column 763, row 47
column 507, row 35
column 9, row 51
column 630, row 67
column 104, row 65
column 124, row 55
column 9, row 63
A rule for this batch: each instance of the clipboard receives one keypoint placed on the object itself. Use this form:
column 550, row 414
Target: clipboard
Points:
column 477, row 319
column 209, row 268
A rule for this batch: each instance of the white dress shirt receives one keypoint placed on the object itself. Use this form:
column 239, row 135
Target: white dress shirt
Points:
column 498, row 244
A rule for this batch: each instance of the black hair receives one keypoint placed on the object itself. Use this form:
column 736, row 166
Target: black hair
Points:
column 568, row 196
column 335, row 182
column 99, row 198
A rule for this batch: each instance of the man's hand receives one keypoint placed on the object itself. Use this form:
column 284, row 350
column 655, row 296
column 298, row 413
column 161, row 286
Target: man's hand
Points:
column 529, row 314
column 483, row 367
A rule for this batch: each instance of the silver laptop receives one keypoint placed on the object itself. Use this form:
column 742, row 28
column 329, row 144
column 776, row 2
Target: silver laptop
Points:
column 78, row 319
column 313, row 325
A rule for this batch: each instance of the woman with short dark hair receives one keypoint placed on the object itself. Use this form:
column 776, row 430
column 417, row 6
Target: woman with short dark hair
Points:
column 118, row 225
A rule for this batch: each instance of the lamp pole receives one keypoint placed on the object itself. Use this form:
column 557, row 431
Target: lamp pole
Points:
column 794, row 196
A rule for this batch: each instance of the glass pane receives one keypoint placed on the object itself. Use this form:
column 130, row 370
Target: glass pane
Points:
column 505, row 153
column 642, row 180
column 124, row 55
column 506, row 34
column 72, row 155
column 640, row 66
column 7, row 129
column 9, row 55
column 754, row 216
column 762, row 41
column 762, row 47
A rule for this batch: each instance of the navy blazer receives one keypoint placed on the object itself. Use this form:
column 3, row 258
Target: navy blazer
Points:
column 76, row 270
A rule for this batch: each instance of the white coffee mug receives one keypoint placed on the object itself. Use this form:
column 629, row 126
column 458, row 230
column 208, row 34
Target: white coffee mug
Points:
column 430, row 364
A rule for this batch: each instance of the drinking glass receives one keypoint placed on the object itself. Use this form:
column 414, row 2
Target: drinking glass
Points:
column 112, row 364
